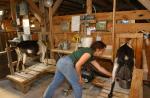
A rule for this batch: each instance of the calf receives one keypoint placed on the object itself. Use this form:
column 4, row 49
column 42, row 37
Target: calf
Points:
column 29, row 48
column 123, row 67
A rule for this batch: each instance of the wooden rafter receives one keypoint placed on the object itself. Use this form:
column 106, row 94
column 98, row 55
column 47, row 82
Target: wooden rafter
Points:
column 56, row 6
column 35, row 10
column 146, row 3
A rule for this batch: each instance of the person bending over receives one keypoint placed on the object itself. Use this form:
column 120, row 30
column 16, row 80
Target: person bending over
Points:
column 69, row 68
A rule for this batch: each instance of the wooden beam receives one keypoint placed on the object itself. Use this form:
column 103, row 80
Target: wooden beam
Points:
column 146, row 3
column 136, row 90
column 113, row 28
column 50, row 34
column 120, row 15
column 89, row 7
column 56, row 6
column 35, row 10
column 132, row 27
column 13, row 9
column 42, row 9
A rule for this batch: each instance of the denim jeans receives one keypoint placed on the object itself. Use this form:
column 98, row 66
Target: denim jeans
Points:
column 65, row 70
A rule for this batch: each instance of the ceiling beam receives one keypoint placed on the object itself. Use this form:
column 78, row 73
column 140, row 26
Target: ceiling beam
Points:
column 56, row 6
column 35, row 10
column 145, row 3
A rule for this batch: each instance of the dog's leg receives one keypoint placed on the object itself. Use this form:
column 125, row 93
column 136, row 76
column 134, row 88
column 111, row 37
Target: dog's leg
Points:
column 113, row 78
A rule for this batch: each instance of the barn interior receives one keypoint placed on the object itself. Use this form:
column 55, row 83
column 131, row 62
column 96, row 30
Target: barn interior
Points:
column 65, row 26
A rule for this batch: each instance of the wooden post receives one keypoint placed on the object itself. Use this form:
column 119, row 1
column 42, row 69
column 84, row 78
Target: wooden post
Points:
column 136, row 90
column 89, row 7
column 113, row 30
column 9, row 57
column 13, row 10
column 43, row 24
column 139, row 47
column 50, row 34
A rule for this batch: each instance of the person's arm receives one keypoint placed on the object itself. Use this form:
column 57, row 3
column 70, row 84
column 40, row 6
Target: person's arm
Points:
column 100, row 68
column 79, row 64
column 114, row 69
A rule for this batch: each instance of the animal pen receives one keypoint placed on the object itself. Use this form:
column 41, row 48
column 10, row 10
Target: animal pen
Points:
column 65, row 33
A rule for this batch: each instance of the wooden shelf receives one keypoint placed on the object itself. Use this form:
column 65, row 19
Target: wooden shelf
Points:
column 88, row 21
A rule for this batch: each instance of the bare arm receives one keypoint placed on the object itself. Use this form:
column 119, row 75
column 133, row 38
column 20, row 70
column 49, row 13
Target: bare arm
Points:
column 80, row 62
column 114, row 70
column 100, row 68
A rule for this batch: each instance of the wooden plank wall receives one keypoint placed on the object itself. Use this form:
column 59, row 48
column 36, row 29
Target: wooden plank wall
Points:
column 106, row 35
column 141, row 18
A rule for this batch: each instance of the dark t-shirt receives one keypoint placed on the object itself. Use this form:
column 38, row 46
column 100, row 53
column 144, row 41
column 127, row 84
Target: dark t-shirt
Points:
column 75, row 56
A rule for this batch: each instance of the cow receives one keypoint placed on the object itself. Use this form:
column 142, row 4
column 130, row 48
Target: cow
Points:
column 29, row 48
column 123, row 67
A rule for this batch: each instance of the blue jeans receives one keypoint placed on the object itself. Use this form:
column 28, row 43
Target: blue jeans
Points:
column 65, row 70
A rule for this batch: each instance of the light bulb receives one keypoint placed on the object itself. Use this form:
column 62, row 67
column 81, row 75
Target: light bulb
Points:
column 48, row 3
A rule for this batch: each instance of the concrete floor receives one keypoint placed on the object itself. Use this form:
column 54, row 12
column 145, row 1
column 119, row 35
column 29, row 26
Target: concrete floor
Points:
column 38, row 88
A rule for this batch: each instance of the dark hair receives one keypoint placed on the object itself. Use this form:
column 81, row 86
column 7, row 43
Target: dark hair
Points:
column 98, row 45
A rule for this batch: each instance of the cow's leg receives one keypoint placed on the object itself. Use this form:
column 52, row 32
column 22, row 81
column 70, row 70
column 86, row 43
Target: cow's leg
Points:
column 113, row 78
column 19, row 58
column 42, row 50
column 23, row 61
column 18, row 63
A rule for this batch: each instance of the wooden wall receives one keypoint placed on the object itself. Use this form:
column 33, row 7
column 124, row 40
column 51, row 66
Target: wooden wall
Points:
column 142, row 15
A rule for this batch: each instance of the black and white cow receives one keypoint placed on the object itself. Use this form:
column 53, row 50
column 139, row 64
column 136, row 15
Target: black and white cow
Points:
column 123, row 67
column 29, row 48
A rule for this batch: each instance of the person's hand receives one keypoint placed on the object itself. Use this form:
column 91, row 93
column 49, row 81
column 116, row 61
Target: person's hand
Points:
column 81, row 80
